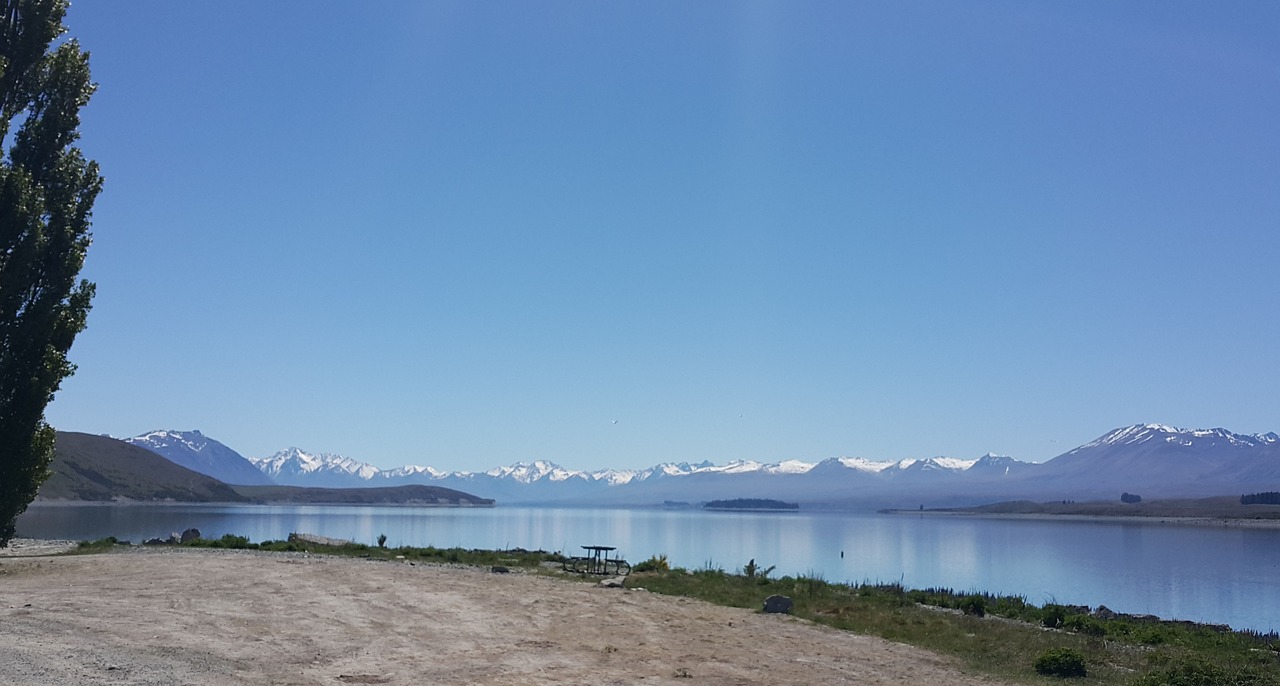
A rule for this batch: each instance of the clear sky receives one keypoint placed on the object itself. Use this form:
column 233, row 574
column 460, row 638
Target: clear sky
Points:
column 611, row 234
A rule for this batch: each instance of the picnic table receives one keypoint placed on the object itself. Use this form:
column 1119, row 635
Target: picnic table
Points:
column 597, row 561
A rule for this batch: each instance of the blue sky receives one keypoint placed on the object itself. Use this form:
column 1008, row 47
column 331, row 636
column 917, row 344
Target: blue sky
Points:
column 468, row 234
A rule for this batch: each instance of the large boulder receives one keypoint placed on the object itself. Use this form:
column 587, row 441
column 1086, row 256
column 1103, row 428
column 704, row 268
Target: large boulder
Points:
column 778, row 604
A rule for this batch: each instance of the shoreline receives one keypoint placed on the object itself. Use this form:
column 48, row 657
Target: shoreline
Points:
column 1169, row 520
column 36, row 548
column 181, row 615
column 125, row 502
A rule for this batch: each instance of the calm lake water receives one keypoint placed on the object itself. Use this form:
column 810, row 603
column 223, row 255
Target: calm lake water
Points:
column 1208, row 574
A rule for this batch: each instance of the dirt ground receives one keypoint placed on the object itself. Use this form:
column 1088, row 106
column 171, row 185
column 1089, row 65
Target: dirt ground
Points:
column 171, row 616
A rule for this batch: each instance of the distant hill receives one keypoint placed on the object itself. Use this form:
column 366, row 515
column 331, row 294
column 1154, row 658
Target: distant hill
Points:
column 199, row 453
column 88, row 467
column 100, row 468
column 395, row 495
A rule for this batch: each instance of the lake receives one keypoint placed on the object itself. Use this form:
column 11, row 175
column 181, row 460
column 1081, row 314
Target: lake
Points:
column 1222, row 575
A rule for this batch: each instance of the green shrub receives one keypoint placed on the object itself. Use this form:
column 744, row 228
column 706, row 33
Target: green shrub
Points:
column 1061, row 662
column 1052, row 615
column 657, row 563
column 1014, row 607
column 973, row 605
column 1084, row 624
column 227, row 541
column 1203, row 673
column 752, row 570
column 100, row 544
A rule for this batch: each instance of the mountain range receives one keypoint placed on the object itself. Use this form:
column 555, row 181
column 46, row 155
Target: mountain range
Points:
column 1152, row 460
column 102, row 469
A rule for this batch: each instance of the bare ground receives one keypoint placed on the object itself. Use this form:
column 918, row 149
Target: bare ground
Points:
column 237, row 617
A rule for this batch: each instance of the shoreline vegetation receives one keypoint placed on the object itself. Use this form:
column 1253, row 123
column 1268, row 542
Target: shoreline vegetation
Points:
column 1003, row 637
column 1215, row 511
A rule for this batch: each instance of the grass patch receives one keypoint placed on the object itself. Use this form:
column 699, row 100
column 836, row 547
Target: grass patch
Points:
column 101, row 545
column 517, row 558
column 1004, row 636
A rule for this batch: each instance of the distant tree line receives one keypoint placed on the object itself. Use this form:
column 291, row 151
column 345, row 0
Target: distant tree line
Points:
column 1267, row 498
column 751, row 504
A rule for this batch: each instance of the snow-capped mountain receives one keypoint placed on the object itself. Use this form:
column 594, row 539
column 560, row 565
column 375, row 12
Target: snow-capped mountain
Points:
column 1171, row 462
column 199, row 453
column 1153, row 460
column 542, row 481
column 293, row 467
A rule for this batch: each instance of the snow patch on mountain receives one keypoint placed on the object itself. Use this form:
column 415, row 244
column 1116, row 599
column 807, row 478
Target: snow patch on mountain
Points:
column 199, row 453
column 294, row 461
column 1142, row 433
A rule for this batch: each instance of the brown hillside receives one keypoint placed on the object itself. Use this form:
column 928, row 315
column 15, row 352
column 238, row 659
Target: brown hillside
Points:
column 88, row 467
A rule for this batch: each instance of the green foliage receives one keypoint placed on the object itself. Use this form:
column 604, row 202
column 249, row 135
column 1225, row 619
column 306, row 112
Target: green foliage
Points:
column 1084, row 624
column 1264, row 498
column 382, row 540
column 47, row 190
column 231, row 541
column 1061, row 662
column 657, row 563
column 1053, row 616
column 751, row 571
column 1198, row 672
column 810, row 585
column 973, row 605
column 100, row 545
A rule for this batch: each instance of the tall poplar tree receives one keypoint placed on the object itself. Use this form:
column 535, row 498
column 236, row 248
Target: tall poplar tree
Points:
column 47, row 189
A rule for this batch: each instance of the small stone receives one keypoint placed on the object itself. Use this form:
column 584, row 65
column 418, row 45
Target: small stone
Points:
column 613, row 582
column 499, row 569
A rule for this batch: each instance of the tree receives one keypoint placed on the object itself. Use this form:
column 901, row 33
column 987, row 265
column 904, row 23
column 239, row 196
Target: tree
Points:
column 47, row 189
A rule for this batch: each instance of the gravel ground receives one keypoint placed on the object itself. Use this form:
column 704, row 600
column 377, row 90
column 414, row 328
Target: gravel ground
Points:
column 176, row 615
column 31, row 547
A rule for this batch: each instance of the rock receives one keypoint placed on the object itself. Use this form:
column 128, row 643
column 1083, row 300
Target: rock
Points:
column 612, row 582
column 190, row 535
column 1104, row 612
column 777, row 604
column 318, row 540
column 175, row 538
column 499, row 569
